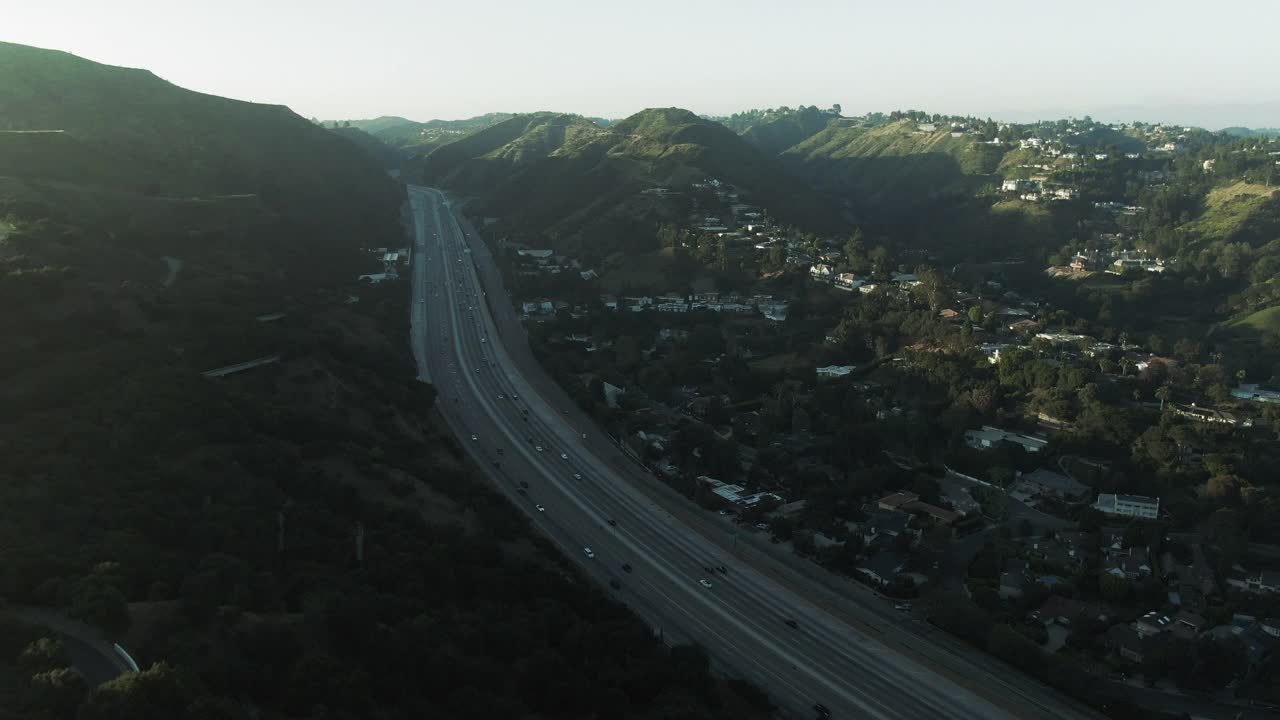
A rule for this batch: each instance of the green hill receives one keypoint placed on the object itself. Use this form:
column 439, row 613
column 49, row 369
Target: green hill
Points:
column 779, row 130
column 579, row 184
column 129, row 130
column 421, row 137
column 893, row 166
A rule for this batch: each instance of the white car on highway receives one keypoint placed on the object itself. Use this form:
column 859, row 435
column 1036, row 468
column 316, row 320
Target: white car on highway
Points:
column 538, row 448
column 540, row 508
column 704, row 583
column 563, row 456
column 589, row 553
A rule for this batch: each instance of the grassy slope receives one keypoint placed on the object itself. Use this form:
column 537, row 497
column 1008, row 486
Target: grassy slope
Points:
column 1241, row 212
column 892, row 165
column 778, row 131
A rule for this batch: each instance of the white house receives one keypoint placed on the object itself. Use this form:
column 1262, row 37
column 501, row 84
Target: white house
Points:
column 821, row 272
column 1137, row 506
column 848, row 281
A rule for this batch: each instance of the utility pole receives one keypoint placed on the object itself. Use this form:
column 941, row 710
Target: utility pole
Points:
column 360, row 542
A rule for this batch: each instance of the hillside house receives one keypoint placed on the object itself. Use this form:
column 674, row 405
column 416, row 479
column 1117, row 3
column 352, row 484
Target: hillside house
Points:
column 989, row 437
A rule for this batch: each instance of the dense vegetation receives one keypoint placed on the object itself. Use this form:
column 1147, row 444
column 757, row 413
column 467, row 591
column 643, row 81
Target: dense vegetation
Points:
column 564, row 180
column 302, row 539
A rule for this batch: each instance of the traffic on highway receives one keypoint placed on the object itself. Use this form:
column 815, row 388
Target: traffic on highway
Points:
column 687, row 587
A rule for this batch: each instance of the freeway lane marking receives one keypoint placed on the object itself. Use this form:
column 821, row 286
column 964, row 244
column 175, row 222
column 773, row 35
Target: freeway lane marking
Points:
column 626, row 539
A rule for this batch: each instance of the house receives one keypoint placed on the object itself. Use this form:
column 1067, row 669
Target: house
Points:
column 1138, row 506
column 1193, row 582
column 883, row 567
column 1024, row 326
column 822, row 272
column 834, row 371
column 908, row 279
column 747, row 424
column 848, row 282
column 1132, row 566
column 886, row 524
column 1187, row 625
column 1012, row 585
column 1262, row 582
column 1065, row 611
column 991, row 437
column 1131, row 645
column 1212, row 415
column 1152, row 623
column 1047, row 483
column 896, row 500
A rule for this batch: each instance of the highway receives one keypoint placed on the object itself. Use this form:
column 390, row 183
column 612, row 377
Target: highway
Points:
column 552, row 464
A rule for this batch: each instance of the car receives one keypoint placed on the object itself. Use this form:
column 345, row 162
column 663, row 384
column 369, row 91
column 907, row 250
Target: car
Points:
column 538, row 448
column 704, row 583
column 496, row 463
column 615, row 584
column 822, row 710
column 499, row 451
column 902, row 607
column 724, row 512
column 473, row 437
column 515, row 397
column 477, row 371
column 520, row 490
column 577, row 476
column 540, row 508
column 501, row 396
column 588, row 552
column 613, row 523
column 722, row 569
column 564, row 456
column 791, row 623
column 626, row 567
column 483, row 340
column 524, row 483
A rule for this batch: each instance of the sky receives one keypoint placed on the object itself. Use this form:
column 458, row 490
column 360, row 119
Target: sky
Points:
column 1156, row 60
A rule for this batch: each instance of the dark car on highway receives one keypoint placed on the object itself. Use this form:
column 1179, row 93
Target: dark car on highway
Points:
column 626, row 567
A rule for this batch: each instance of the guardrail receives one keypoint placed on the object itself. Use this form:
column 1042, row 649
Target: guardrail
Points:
column 127, row 657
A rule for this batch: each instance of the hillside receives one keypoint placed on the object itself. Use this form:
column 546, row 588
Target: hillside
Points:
column 894, row 166
column 421, row 137
column 209, row 523
column 578, row 184
column 779, row 130
column 165, row 140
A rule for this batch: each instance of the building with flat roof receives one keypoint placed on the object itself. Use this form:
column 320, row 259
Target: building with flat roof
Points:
column 1138, row 506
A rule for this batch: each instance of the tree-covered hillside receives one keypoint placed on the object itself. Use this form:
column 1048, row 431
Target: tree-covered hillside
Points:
column 567, row 180
column 210, row 524
column 777, row 130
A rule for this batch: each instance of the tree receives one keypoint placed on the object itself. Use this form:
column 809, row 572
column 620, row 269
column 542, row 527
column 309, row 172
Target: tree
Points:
column 1162, row 394
column 975, row 314
column 55, row 693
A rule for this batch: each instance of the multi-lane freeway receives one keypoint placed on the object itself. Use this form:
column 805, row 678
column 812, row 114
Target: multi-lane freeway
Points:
column 548, row 461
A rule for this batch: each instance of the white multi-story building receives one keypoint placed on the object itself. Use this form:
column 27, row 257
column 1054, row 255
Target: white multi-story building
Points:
column 1137, row 506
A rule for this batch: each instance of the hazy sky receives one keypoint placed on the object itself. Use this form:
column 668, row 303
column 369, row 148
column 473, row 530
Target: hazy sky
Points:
column 424, row 59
